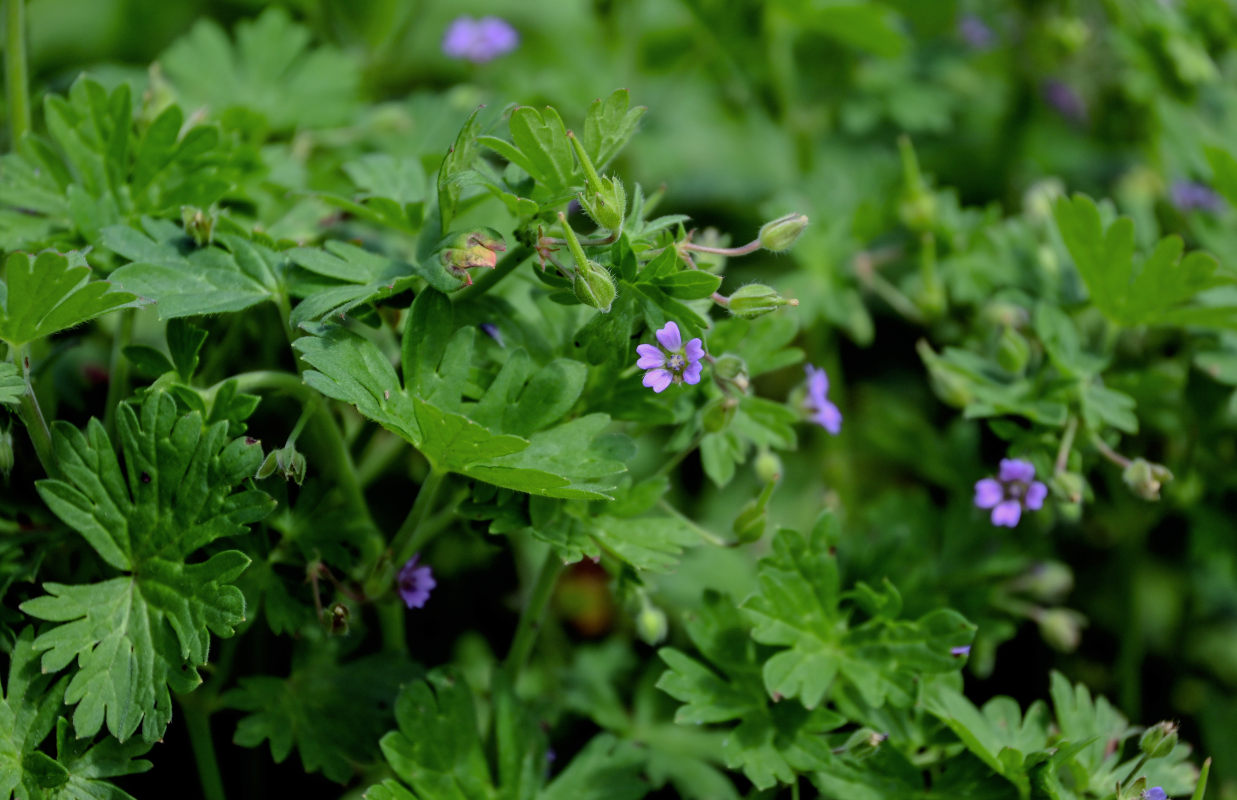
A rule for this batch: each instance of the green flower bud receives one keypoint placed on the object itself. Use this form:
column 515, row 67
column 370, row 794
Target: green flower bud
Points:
column 1038, row 200
column 863, row 743
column 717, row 414
column 1048, row 581
column 287, row 461
column 1061, row 628
column 1159, row 740
column 198, row 224
column 755, row 300
column 768, row 467
column 1145, row 478
column 950, row 383
column 6, row 453
column 750, row 523
column 781, row 234
column 1069, row 485
column 594, row 286
column 1013, row 351
column 607, row 207
column 918, row 211
column 651, row 623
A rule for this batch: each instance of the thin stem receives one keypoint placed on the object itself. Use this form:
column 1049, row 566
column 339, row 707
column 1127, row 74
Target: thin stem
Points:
column 412, row 535
column 530, row 617
column 32, row 417
column 704, row 533
column 1067, row 444
column 750, row 247
column 17, row 87
column 1108, row 453
column 197, row 721
column 118, row 376
column 513, row 259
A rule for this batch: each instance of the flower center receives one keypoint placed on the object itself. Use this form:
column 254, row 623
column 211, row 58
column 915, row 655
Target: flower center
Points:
column 676, row 362
column 1014, row 490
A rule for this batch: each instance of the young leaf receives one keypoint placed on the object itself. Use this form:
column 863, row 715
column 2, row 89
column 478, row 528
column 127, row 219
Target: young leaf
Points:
column 135, row 635
column 354, row 697
column 608, row 126
column 799, row 607
column 455, row 167
column 43, row 295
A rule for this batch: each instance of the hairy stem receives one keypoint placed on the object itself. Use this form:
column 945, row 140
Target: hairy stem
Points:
column 32, row 417
column 197, row 722
column 534, row 610
column 17, row 87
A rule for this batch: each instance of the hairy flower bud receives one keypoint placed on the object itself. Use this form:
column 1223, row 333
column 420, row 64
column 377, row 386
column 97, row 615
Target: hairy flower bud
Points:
column 1069, row 485
column 604, row 199
column 1013, row 351
column 717, row 414
column 756, row 299
column 1145, row 478
column 199, row 224
column 752, row 519
column 783, row 232
column 651, row 623
column 768, row 466
column 1061, row 628
column 287, row 460
column 863, row 743
column 594, row 287
column 1159, row 740
column 1048, row 581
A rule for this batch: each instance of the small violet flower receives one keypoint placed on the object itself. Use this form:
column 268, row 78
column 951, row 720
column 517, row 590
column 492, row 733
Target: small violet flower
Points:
column 976, row 34
column 1014, row 489
column 1155, row 793
column 824, row 413
column 1190, row 196
column 415, row 583
column 964, row 650
column 1065, row 100
column 479, row 40
column 671, row 362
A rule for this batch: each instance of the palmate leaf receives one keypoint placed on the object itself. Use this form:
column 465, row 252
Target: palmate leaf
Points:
column 49, row 293
column 355, row 697
column 270, row 72
column 1160, row 290
column 136, row 635
column 29, row 704
column 800, row 607
column 438, row 753
column 101, row 167
column 773, row 741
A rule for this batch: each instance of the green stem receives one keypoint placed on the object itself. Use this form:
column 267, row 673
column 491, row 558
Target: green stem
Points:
column 1067, row 444
column 118, row 376
column 391, row 623
column 530, row 618
column 32, row 417
column 487, row 281
column 412, row 535
column 17, row 87
column 704, row 533
column 197, row 721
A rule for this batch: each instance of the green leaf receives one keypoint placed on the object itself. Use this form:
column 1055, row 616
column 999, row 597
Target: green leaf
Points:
column 353, row 697
column 136, row 635
column 49, row 293
column 185, row 343
column 608, row 126
column 1056, row 330
column 866, row 25
column 1103, row 406
column 12, row 384
column 210, row 280
column 773, row 741
column 1153, row 292
column 401, row 180
column 799, row 608
column 606, row 769
column 689, row 284
column 456, row 168
column 646, row 543
column 28, row 707
column 270, row 72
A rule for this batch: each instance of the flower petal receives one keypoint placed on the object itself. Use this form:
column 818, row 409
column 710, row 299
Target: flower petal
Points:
column 1016, row 469
column 657, row 379
column 828, row 417
column 670, row 337
column 694, row 350
column 651, row 356
column 692, row 373
column 817, row 382
column 1036, row 493
column 1007, row 513
column 988, row 493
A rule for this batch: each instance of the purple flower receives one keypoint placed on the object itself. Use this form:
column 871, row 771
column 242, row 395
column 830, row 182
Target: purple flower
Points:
column 964, row 650
column 976, row 34
column 671, row 362
column 491, row 330
column 1155, row 793
column 479, row 40
column 824, row 413
column 1067, row 102
column 1190, row 196
column 1014, row 489
column 415, row 583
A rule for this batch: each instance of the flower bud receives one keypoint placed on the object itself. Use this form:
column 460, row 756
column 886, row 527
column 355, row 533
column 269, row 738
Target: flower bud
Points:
column 732, row 369
column 287, row 461
column 1159, row 740
column 1013, row 351
column 949, row 383
column 1069, row 485
column 918, row 211
column 651, row 623
column 1061, row 628
column 1048, row 581
column 717, row 414
column 768, row 467
column 461, row 252
column 750, row 523
column 608, row 206
column 756, row 299
column 594, row 286
column 781, row 234
column 198, row 224
column 863, row 743
column 6, row 453
column 1145, row 478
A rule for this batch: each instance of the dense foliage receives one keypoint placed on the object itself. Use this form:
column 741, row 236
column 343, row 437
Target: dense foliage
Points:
column 845, row 408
